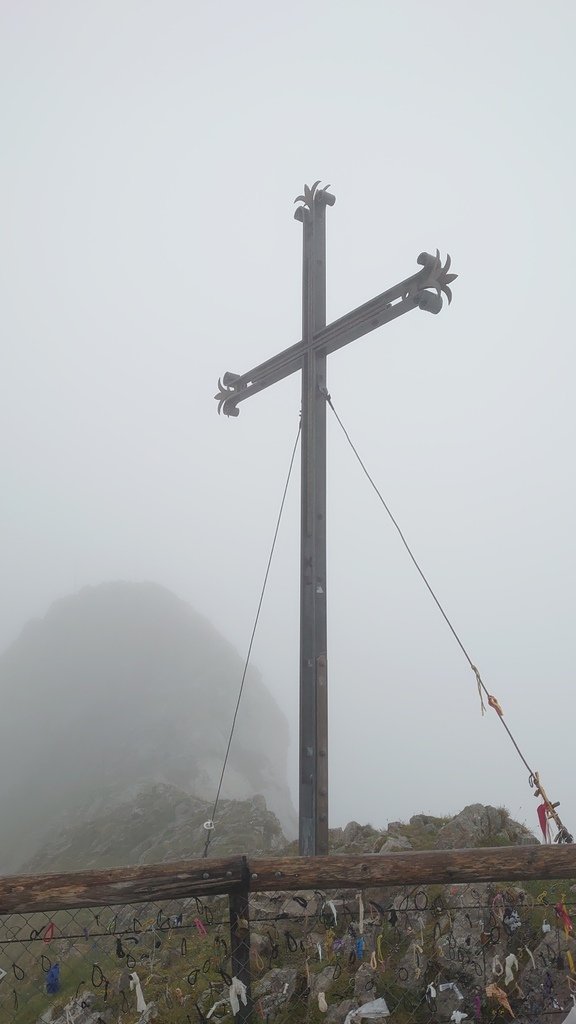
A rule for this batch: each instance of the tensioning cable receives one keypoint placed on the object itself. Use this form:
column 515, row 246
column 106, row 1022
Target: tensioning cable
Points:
column 547, row 810
column 209, row 825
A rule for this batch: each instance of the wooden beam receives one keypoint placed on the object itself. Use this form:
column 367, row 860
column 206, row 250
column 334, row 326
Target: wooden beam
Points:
column 496, row 864
column 30, row 893
column 143, row 884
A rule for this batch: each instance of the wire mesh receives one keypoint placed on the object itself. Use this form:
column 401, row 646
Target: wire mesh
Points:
column 434, row 954
column 106, row 963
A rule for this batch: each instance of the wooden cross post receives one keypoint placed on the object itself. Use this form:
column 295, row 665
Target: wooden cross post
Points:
column 422, row 291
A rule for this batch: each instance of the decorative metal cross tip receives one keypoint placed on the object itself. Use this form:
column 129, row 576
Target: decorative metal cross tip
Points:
column 433, row 276
column 311, row 196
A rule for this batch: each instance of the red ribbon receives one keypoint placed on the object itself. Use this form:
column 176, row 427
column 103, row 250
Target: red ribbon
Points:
column 543, row 819
column 564, row 916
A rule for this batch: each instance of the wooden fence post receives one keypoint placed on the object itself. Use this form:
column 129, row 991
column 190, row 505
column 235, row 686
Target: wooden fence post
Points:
column 240, row 943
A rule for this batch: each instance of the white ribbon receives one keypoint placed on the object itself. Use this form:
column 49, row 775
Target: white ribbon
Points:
column 221, row 1002
column 237, row 988
column 371, row 1011
column 511, row 966
column 497, row 968
column 140, row 1001
column 451, row 985
column 360, row 914
column 529, row 951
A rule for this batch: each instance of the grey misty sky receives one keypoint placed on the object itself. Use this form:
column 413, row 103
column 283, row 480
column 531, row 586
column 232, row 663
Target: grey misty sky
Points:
column 151, row 153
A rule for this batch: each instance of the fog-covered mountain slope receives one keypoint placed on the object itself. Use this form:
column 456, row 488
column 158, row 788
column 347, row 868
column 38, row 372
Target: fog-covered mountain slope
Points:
column 120, row 686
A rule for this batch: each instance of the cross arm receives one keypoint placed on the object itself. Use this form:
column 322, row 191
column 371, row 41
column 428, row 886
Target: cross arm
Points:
column 422, row 290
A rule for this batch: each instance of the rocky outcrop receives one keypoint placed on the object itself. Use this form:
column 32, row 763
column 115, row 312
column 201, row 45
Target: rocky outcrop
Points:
column 161, row 823
column 120, row 686
column 475, row 825
column 479, row 825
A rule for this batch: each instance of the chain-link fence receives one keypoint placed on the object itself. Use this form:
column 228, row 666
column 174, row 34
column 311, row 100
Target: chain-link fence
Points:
column 486, row 952
column 110, row 961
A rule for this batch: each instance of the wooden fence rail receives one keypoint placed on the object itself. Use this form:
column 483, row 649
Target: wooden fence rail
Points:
column 183, row 879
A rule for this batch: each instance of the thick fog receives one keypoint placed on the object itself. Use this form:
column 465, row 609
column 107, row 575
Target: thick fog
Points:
column 151, row 155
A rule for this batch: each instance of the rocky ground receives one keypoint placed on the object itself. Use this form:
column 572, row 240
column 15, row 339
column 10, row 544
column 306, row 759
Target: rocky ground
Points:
column 445, row 954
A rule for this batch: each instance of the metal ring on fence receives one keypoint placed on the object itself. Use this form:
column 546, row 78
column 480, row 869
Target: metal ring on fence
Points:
column 97, row 975
column 18, row 972
column 206, row 965
column 48, row 961
column 130, row 962
column 193, row 976
column 402, row 974
column 422, row 905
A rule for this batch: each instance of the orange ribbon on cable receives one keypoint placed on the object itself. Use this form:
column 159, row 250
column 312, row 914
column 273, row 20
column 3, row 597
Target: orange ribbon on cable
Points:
column 494, row 704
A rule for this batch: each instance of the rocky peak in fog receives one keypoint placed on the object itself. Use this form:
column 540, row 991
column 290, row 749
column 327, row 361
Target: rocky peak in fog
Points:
column 120, row 686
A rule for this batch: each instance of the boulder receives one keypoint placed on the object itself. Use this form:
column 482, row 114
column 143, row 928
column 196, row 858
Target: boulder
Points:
column 480, row 825
column 338, row 1012
column 275, row 990
column 321, row 982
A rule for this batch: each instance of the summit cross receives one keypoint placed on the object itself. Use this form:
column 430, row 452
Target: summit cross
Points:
column 421, row 291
